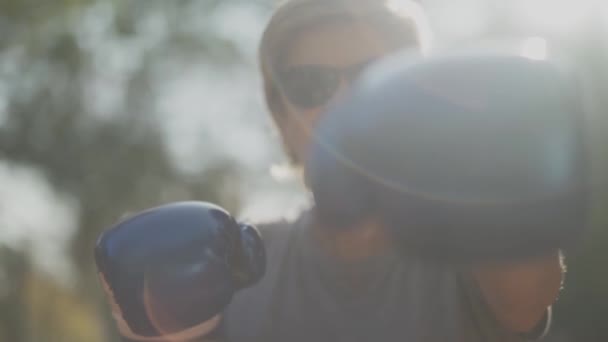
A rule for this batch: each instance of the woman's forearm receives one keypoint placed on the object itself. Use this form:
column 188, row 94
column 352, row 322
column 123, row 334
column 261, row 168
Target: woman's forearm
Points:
column 519, row 293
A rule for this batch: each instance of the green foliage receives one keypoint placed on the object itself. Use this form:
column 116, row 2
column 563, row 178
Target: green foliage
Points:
column 110, row 164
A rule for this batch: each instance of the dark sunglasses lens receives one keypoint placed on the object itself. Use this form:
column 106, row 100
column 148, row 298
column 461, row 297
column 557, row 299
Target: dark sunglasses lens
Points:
column 309, row 86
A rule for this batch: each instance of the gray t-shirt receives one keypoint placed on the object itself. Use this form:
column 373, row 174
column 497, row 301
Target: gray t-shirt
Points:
column 307, row 296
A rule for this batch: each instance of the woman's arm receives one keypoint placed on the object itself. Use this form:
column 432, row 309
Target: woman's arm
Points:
column 520, row 293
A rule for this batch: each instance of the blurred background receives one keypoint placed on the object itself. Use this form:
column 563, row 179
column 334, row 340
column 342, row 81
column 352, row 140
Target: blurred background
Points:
column 110, row 106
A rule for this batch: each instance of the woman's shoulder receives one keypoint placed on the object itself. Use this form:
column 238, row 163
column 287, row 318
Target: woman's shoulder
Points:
column 277, row 231
column 250, row 308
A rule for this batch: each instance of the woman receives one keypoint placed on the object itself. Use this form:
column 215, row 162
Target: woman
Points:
column 332, row 284
column 349, row 284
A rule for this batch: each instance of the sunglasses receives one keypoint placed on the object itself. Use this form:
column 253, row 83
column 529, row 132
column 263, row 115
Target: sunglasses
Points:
column 310, row 85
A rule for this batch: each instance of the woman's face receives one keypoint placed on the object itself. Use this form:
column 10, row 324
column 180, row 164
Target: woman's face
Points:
column 318, row 67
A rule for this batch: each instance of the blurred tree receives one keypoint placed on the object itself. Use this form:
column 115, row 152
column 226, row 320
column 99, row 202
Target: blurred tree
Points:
column 110, row 164
column 13, row 319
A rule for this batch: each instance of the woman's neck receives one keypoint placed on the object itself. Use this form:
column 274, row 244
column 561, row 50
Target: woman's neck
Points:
column 355, row 243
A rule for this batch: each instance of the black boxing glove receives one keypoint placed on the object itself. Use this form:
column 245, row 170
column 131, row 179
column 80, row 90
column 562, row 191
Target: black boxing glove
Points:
column 170, row 270
column 463, row 157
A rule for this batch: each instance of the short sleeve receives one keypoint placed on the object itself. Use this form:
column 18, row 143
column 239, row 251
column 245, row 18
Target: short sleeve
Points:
column 248, row 313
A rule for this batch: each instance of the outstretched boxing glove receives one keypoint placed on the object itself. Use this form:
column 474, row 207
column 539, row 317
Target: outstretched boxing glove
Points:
column 463, row 157
column 170, row 270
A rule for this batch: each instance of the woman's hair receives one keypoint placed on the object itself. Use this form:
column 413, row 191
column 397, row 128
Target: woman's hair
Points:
column 401, row 22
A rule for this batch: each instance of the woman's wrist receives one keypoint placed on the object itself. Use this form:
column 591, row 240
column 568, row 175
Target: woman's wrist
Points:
column 202, row 332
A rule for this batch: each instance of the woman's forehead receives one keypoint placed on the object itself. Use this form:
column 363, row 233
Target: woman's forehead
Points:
column 340, row 44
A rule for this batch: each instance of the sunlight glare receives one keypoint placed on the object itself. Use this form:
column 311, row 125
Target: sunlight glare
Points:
column 534, row 48
column 417, row 14
column 562, row 16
